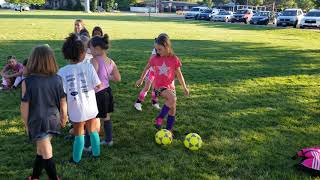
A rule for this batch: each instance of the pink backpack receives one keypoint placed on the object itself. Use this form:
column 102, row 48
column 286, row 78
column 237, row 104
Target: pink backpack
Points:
column 310, row 160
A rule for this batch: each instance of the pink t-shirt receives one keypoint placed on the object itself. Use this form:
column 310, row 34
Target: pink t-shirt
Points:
column 164, row 71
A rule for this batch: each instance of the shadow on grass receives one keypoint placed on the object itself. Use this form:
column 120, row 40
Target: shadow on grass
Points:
column 250, row 128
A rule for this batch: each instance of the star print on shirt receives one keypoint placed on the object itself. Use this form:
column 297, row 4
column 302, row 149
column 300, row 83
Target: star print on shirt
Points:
column 163, row 69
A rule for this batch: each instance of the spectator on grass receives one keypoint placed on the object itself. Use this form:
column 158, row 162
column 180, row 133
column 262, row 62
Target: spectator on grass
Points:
column 10, row 73
column 80, row 29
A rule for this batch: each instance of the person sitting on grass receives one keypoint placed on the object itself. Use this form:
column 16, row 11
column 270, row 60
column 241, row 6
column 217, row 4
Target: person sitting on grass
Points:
column 10, row 73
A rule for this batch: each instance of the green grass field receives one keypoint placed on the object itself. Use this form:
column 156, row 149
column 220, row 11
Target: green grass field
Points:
column 254, row 99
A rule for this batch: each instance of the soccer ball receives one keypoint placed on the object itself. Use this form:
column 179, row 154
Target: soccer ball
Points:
column 163, row 137
column 193, row 141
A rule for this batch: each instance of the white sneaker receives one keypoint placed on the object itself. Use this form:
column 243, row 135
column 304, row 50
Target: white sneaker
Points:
column 88, row 149
column 157, row 106
column 104, row 142
column 138, row 106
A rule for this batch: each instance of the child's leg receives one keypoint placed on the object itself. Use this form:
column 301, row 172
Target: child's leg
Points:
column 17, row 81
column 5, row 82
column 94, row 136
column 44, row 147
column 170, row 100
column 38, row 164
column 78, row 144
column 144, row 91
column 107, row 124
column 171, row 118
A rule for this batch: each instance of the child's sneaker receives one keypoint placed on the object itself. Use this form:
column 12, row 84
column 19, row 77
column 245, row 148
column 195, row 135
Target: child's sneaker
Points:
column 156, row 105
column 87, row 149
column 158, row 123
column 138, row 106
column 104, row 142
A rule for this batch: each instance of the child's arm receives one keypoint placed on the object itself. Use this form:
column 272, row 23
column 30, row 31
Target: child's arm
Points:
column 63, row 112
column 116, row 76
column 24, row 107
column 95, row 64
column 14, row 75
column 143, row 75
column 181, row 81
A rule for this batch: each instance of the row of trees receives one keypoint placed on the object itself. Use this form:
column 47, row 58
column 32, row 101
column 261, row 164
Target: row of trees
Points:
column 124, row 4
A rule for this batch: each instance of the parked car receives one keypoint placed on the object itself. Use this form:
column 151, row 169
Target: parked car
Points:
column 290, row 17
column 208, row 14
column 223, row 16
column 204, row 15
column 7, row 6
column 243, row 15
column 311, row 19
column 262, row 18
column 195, row 11
column 22, row 8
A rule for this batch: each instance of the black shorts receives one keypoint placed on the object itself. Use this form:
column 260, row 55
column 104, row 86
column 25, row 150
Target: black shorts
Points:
column 158, row 92
column 104, row 102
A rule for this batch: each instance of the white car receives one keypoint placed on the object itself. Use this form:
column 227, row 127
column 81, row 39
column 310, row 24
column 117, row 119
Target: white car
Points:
column 23, row 8
column 223, row 16
column 195, row 11
column 311, row 19
column 290, row 17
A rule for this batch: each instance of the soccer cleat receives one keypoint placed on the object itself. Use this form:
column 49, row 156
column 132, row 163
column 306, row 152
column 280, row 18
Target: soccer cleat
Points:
column 138, row 106
column 157, row 106
column 87, row 149
column 158, row 123
column 104, row 142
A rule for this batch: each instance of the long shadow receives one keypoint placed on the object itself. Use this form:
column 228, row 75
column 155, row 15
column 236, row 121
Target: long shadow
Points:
column 249, row 129
column 203, row 60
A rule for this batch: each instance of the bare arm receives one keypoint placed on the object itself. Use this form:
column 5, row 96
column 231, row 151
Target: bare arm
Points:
column 15, row 74
column 182, row 81
column 63, row 111
column 116, row 76
column 143, row 75
column 24, row 108
column 95, row 64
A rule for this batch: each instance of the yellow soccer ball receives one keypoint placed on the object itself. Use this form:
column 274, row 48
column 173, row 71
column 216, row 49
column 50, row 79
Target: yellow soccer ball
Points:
column 193, row 141
column 163, row 137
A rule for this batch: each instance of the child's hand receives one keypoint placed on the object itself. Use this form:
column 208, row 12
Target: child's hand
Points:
column 186, row 91
column 139, row 82
column 63, row 121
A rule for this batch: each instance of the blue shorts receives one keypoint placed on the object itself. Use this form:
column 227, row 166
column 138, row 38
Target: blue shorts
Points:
column 42, row 136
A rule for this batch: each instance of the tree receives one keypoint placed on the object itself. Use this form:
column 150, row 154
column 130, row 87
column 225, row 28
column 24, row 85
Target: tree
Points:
column 208, row 3
column 109, row 4
column 93, row 5
column 34, row 2
column 305, row 4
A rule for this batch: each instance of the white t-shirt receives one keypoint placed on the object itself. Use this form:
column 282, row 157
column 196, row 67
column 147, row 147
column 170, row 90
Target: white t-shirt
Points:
column 79, row 81
column 154, row 51
column 88, row 57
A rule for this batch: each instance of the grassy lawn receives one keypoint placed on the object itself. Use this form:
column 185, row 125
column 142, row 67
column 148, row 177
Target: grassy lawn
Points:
column 254, row 99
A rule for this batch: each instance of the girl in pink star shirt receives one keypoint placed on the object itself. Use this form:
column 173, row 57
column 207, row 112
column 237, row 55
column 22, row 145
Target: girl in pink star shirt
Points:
column 166, row 66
